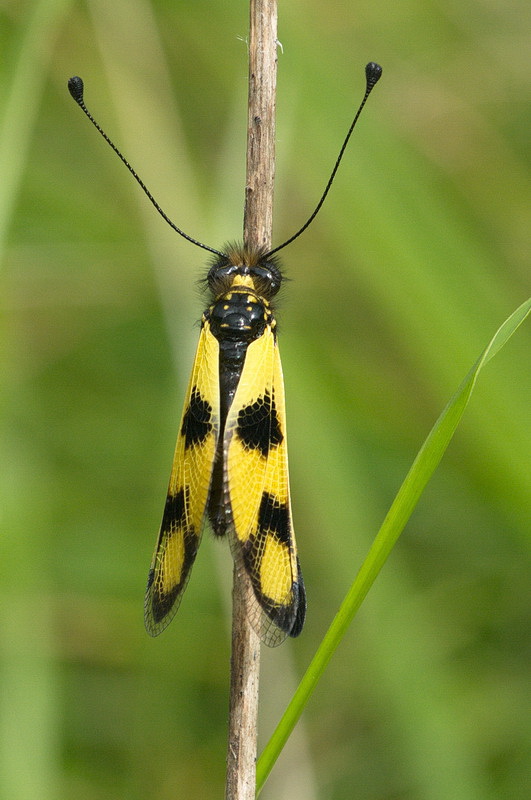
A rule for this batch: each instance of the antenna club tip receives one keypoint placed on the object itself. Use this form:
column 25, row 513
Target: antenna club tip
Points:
column 75, row 87
column 373, row 73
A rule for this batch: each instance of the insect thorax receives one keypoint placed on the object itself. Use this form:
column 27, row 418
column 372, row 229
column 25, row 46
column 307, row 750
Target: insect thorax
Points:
column 239, row 315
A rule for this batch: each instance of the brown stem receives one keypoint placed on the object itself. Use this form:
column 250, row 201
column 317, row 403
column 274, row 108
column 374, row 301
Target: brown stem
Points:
column 245, row 661
column 258, row 214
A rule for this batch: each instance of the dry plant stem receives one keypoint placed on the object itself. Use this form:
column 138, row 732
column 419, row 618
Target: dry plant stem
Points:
column 245, row 661
column 258, row 214
column 245, row 675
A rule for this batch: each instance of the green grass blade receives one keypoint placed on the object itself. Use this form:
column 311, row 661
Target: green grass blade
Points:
column 408, row 495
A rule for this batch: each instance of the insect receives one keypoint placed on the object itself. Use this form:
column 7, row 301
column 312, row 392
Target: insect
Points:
column 231, row 461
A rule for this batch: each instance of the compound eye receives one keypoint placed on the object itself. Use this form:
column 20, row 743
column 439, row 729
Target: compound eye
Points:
column 220, row 275
column 268, row 278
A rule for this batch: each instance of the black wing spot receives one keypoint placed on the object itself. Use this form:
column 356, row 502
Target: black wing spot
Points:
column 300, row 592
column 274, row 516
column 197, row 420
column 258, row 425
column 174, row 517
column 162, row 602
column 174, row 511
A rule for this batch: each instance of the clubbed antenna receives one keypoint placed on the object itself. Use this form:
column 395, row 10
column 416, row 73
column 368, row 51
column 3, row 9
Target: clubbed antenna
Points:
column 373, row 74
column 75, row 87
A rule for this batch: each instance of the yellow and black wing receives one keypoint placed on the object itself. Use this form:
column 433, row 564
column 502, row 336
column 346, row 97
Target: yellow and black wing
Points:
column 256, row 484
column 184, row 514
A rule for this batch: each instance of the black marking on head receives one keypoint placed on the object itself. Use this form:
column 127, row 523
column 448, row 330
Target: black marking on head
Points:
column 239, row 260
column 274, row 516
column 258, row 425
column 197, row 420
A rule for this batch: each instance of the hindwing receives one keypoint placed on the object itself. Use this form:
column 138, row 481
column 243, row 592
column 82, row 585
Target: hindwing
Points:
column 183, row 518
column 256, row 486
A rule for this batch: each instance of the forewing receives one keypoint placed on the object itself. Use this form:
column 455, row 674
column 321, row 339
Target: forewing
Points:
column 256, row 485
column 184, row 514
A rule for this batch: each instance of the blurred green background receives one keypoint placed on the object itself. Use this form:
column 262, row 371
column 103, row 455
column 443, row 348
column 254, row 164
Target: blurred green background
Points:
column 418, row 255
